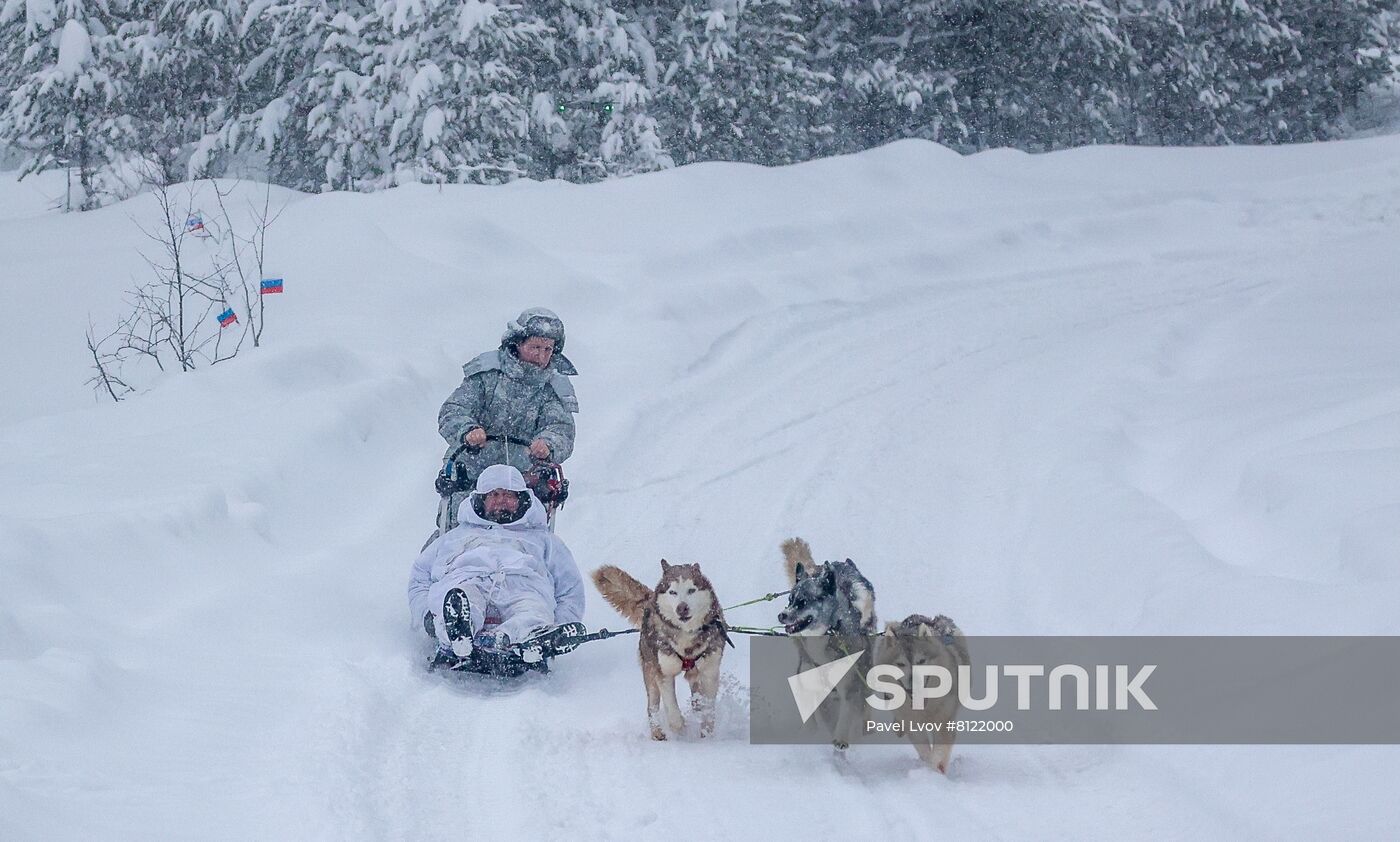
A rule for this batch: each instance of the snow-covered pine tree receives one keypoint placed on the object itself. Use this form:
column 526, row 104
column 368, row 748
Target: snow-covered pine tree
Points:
column 605, row 90
column 1040, row 75
column 15, row 19
column 1216, row 63
column 699, row 108
column 548, row 146
column 794, row 122
column 225, row 48
column 1094, row 64
column 1154, row 36
column 742, row 83
column 275, row 119
column 1261, row 53
column 261, row 60
column 183, row 61
column 1344, row 48
column 343, row 116
column 1388, row 87
column 65, row 111
column 457, row 102
column 895, row 80
column 1170, row 88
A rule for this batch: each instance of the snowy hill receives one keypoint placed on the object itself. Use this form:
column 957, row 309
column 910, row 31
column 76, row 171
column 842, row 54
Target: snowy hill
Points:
column 1105, row 391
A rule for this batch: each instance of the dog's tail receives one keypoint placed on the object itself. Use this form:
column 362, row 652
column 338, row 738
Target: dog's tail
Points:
column 795, row 552
column 622, row 592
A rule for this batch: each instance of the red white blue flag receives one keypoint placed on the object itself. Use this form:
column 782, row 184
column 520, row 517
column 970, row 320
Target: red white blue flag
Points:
column 195, row 224
column 227, row 317
column 270, row 286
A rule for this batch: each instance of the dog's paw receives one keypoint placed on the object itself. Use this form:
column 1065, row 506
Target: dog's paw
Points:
column 657, row 734
column 840, row 745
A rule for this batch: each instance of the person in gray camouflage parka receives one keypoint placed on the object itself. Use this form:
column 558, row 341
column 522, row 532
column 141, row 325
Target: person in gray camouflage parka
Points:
column 515, row 405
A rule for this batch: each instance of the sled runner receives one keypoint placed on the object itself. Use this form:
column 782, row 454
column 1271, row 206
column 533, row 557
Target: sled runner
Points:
column 530, row 655
column 508, row 664
column 496, row 664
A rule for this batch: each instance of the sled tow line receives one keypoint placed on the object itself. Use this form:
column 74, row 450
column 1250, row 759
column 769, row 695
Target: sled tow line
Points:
column 765, row 598
column 754, row 630
column 602, row 634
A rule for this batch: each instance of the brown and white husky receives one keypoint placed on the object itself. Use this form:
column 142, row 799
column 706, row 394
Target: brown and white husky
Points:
column 918, row 640
column 682, row 632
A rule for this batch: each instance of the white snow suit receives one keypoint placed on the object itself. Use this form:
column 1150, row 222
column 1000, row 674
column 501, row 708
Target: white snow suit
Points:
column 516, row 576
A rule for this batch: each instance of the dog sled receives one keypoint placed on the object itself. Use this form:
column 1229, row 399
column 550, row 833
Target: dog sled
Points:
column 511, row 664
column 547, row 482
column 501, row 665
column 507, row 664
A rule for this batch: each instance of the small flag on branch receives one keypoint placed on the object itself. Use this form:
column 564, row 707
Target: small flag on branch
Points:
column 270, row 286
column 227, row 317
column 195, row 225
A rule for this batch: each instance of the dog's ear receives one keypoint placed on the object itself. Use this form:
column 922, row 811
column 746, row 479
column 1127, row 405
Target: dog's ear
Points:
column 925, row 630
column 891, row 630
column 665, row 565
column 828, row 581
column 801, row 572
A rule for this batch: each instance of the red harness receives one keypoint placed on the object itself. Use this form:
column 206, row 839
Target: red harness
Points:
column 688, row 664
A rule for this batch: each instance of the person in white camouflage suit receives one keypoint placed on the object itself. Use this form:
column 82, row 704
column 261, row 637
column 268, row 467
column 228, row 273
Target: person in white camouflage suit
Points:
column 515, row 406
column 500, row 580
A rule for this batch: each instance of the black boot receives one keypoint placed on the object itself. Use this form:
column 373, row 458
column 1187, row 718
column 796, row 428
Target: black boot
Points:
column 457, row 618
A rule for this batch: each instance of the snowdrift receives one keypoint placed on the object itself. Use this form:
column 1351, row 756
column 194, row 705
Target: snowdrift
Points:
column 1105, row 391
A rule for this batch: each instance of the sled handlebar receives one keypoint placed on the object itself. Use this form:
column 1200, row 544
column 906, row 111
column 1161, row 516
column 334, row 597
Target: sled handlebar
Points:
column 450, row 480
column 467, row 448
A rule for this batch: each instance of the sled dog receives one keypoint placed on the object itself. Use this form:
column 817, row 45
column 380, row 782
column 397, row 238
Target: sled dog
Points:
column 830, row 614
column 828, row 598
column 682, row 632
column 919, row 641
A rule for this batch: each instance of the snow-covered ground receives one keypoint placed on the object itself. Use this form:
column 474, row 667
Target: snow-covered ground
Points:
column 1103, row 391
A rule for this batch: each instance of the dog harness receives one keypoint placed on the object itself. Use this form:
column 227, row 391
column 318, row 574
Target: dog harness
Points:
column 688, row 664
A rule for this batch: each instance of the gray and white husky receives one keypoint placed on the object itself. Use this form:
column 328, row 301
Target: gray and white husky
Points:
column 829, row 598
column 830, row 614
